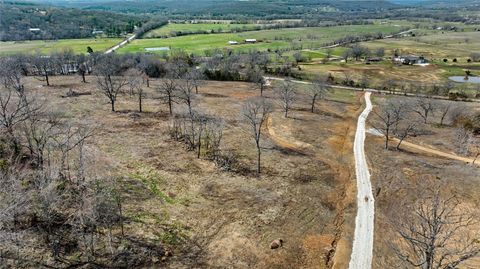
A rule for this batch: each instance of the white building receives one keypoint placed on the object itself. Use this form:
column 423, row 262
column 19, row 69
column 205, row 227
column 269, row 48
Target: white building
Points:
column 232, row 42
column 250, row 41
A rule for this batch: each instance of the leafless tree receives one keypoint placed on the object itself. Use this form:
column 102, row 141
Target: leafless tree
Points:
column 256, row 112
column 44, row 67
column 436, row 232
column 15, row 108
column 403, row 129
column 444, row 107
column 108, row 80
column 424, row 107
column 256, row 75
column 168, row 90
column 318, row 90
column 468, row 143
column 135, row 79
column 186, row 93
column 286, row 93
column 12, row 71
column 196, row 76
column 388, row 116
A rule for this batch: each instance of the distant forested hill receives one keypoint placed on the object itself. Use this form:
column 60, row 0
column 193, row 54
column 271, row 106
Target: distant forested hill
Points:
column 226, row 7
column 24, row 21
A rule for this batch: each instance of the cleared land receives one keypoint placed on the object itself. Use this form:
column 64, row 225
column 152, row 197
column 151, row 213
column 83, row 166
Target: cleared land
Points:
column 299, row 38
column 173, row 29
column 435, row 45
column 209, row 217
column 77, row 45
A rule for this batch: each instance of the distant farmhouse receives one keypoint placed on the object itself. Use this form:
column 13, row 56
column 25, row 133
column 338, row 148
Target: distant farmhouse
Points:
column 97, row 32
column 411, row 60
column 232, row 42
column 250, row 41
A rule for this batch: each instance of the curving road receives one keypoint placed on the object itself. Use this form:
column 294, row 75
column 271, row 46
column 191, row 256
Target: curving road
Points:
column 362, row 249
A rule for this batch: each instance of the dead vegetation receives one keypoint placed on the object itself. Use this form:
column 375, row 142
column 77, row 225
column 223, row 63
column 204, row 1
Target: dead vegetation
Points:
column 180, row 207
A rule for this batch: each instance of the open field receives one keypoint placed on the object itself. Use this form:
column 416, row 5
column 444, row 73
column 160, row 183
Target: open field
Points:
column 435, row 45
column 173, row 29
column 205, row 215
column 308, row 37
column 77, row 45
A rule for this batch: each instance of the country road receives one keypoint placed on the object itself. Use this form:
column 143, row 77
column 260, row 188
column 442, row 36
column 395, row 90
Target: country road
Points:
column 362, row 249
column 121, row 44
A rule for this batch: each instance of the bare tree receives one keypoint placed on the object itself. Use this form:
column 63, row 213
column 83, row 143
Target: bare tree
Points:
column 388, row 116
column 286, row 92
column 186, row 93
column 44, row 67
column 403, row 129
column 256, row 112
column 444, row 107
column 318, row 91
column 12, row 71
column 135, row 79
column 15, row 108
column 256, row 75
column 196, row 76
column 168, row 90
column 108, row 81
column 436, row 233
column 424, row 107
column 468, row 143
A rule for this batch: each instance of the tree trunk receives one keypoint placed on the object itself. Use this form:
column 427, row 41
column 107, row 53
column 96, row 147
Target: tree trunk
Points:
column 140, row 102
column 196, row 89
column 199, row 142
column 386, row 139
column 313, row 104
column 83, row 77
column 112, row 102
column 258, row 158
column 170, row 105
column 148, row 83
column 46, row 78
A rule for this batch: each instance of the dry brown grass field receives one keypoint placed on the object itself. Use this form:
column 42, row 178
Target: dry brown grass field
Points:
column 212, row 218
column 209, row 218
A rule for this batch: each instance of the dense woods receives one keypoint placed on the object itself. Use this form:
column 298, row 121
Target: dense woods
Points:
column 33, row 22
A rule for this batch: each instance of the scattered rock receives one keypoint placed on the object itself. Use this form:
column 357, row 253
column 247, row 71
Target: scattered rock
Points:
column 276, row 243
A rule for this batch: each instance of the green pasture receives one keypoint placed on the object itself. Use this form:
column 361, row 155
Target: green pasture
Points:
column 173, row 29
column 77, row 45
column 296, row 38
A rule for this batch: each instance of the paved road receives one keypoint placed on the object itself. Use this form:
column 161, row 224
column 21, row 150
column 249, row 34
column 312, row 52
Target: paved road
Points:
column 121, row 44
column 362, row 249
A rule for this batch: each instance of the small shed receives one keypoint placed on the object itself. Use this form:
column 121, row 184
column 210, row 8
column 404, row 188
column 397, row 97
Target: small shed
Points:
column 231, row 42
column 250, row 40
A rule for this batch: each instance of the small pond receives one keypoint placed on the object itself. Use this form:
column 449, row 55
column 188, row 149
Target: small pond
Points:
column 462, row 79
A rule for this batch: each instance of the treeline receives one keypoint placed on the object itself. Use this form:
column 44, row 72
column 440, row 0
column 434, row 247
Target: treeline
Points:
column 36, row 22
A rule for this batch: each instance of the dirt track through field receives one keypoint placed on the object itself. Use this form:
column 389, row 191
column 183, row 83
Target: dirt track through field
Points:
column 362, row 250
column 438, row 152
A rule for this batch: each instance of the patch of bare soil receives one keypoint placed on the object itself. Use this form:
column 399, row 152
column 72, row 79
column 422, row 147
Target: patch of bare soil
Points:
column 332, row 146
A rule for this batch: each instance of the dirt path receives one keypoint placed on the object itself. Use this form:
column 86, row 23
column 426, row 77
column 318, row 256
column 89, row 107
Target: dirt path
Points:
column 362, row 250
column 437, row 152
